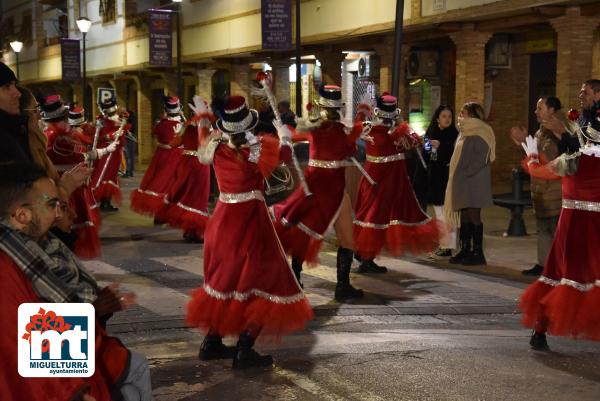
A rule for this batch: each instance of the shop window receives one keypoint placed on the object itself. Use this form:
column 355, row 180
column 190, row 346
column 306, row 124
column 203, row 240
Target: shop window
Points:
column 136, row 10
column 108, row 11
column 55, row 21
column 26, row 31
column 7, row 32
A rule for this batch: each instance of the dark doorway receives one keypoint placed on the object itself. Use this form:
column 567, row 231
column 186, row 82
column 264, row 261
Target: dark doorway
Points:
column 542, row 82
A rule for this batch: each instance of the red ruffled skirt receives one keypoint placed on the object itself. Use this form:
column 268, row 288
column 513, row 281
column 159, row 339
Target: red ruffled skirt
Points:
column 248, row 283
column 149, row 198
column 86, row 224
column 108, row 187
column 187, row 199
column 301, row 221
column 388, row 215
column 566, row 299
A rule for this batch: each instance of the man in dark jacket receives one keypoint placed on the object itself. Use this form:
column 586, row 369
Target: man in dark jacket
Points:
column 14, row 135
column 589, row 98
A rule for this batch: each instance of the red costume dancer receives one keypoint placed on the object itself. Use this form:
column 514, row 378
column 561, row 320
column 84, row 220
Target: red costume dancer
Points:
column 149, row 198
column 303, row 220
column 67, row 147
column 249, row 288
column 565, row 300
column 388, row 215
column 187, row 200
column 105, row 178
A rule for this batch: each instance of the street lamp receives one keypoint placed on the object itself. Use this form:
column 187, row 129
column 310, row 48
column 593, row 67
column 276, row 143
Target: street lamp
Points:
column 178, row 50
column 17, row 46
column 84, row 25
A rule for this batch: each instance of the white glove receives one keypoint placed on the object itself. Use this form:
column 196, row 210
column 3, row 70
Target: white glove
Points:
column 283, row 131
column 530, row 146
column 200, row 106
column 104, row 151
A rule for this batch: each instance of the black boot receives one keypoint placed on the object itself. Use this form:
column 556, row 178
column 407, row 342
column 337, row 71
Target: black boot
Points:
column 245, row 357
column 465, row 244
column 297, row 268
column 107, row 207
column 343, row 289
column 369, row 266
column 213, row 348
column 538, row 342
column 477, row 257
column 534, row 271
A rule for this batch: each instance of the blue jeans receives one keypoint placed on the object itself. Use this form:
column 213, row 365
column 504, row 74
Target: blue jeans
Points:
column 130, row 157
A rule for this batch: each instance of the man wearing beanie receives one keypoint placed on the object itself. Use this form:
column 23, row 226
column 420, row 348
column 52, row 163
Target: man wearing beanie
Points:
column 14, row 136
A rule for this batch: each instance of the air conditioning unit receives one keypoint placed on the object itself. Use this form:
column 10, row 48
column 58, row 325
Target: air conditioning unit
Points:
column 423, row 64
column 368, row 66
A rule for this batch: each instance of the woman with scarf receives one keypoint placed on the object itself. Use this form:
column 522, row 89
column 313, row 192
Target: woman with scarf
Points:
column 469, row 186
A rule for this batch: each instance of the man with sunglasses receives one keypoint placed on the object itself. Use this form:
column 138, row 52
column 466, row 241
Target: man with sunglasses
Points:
column 36, row 267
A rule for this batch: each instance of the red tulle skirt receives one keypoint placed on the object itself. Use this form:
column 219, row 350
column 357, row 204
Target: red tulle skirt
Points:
column 566, row 299
column 303, row 220
column 106, row 187
column 148, row 199
column 248, row 283
column 187, row 199
column 86, row 223
column 388, row 215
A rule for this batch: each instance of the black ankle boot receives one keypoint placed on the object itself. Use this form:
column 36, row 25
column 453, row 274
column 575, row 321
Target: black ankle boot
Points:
column 297, row 268
column 538, row 342
column 107, row 207
column 343, row 289
column 465, row 234
column 245, row 357
column 476, row 257
column 213, row 348
column 369, row 266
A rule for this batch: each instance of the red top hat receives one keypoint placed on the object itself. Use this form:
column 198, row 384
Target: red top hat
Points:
column 330, row 96
column 387, row 107
column 237, row 117
column 172, row 105
column 53, row 108
column 76, row 116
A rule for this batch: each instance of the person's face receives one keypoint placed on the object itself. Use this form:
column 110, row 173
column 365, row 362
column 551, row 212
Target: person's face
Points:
column 33, row 110
column 587, row 97
column 9, row 98
column 68, row 215
column 542, row 112
column 41, row 209
column 444, row 119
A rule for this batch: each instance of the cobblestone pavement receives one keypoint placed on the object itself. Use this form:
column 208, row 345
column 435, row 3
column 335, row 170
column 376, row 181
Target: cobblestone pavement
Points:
column 422, row 332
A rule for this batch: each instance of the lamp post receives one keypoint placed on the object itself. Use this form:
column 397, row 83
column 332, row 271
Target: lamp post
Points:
column 17, row 46
column 178, row 50
column 84, row 25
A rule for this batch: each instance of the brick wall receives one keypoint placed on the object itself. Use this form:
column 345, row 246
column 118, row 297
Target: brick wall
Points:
column 510, row 104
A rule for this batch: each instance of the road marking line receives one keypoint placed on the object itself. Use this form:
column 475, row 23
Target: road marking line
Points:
column 150, row 294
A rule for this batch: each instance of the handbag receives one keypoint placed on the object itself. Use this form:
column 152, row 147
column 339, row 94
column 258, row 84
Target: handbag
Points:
column 279, row 185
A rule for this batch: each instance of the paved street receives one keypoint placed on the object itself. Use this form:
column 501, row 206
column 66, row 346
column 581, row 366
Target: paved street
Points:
column 423, row 332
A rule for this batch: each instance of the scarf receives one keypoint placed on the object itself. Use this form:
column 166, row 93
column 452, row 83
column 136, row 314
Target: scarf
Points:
column 467, row 127
column 55, row 273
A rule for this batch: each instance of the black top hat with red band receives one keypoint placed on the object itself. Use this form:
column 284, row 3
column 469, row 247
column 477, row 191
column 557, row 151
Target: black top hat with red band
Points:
column 387, row 107
column 237, row 116
column 76, row 115
column 330, row 96
column 53, row 108
column 172, row 105
column 109, row 106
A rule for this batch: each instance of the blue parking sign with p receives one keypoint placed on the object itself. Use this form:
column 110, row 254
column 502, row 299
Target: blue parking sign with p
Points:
column 105, row 94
